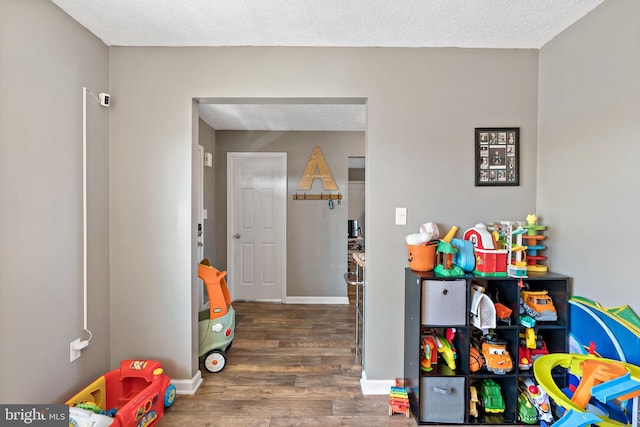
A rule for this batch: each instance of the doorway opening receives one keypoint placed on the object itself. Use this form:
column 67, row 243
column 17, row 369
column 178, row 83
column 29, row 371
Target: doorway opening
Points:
column 316, row 235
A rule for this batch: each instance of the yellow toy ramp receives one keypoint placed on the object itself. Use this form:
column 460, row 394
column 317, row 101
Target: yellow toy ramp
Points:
column 93, row 393
column 543, row 366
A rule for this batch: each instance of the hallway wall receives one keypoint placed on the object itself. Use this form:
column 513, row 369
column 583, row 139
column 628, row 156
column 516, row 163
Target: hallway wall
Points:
column 423, row 106
column 316, row 235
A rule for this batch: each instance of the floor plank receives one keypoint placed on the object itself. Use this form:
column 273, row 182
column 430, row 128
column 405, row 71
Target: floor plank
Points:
column 290, row 365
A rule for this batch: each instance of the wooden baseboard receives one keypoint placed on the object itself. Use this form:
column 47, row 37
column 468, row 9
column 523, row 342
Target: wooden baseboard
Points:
column 317, row 300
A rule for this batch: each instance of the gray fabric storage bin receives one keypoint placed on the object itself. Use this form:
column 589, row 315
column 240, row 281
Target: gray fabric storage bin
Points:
column 444, row 302
column 442, row 399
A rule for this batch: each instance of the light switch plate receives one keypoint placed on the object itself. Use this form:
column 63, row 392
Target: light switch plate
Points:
column 401, row 216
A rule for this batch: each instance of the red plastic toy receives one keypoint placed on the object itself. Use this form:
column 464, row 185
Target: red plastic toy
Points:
column 134, row 395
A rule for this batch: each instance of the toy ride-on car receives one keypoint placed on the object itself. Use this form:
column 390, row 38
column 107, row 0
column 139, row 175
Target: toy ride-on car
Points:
column 216, row 325
column 134, row 395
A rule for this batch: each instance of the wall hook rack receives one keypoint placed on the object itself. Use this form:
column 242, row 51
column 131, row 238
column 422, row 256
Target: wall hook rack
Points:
column 316, row 196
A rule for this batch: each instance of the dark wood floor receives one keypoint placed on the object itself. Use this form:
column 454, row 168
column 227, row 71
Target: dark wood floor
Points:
column 290, row 365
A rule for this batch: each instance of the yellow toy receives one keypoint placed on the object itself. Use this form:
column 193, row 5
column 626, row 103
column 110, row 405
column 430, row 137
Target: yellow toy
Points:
column 446, row 348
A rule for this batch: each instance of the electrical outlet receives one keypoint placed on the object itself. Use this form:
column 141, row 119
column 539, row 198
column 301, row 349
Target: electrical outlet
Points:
column 74, row 350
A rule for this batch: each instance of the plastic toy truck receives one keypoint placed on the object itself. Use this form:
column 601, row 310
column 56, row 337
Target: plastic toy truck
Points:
column 133, row 395
column 538, row 304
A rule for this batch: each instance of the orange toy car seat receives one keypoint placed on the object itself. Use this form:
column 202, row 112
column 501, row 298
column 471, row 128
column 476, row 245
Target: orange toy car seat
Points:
column 216, row 285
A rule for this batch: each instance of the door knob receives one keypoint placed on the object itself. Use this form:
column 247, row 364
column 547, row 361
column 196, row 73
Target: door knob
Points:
column 237, row 235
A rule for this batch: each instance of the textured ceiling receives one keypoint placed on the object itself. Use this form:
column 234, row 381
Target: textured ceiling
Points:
column 314, row 114
column 520, row 24
column 393, row 23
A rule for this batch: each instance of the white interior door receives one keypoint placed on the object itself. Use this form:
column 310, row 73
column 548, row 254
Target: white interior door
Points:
column 256, row 219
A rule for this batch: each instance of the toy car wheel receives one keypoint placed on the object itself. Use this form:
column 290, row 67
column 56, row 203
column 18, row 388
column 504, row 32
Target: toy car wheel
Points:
column 169, row 395
column 215, row 361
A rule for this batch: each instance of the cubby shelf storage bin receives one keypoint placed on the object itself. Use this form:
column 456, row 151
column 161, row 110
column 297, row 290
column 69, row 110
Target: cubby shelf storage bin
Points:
column 434, row 304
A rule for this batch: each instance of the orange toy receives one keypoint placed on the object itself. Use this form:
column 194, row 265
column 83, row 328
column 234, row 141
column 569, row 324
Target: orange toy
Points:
column 214, row 280
column 428, row 353
column 503, row 312
column 595, row 372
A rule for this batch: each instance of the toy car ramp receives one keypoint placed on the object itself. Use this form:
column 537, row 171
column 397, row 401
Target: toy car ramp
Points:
column 622, row 387
column 595, row 371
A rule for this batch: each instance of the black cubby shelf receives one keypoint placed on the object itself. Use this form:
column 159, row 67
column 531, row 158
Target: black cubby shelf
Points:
column 441, row 396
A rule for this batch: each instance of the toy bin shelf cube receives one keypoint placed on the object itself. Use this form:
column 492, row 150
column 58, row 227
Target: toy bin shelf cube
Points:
column 441, row 399
column 444, row 302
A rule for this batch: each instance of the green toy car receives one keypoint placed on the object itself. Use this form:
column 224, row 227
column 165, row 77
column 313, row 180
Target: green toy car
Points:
column 491, row 396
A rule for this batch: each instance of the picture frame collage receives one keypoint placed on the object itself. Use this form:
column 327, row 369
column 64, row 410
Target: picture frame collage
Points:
column 497, row 159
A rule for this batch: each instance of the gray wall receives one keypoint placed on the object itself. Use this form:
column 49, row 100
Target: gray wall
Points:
column 207, row 138
column 45, row 60
column 589, row 151
column 316, row 235
column 422, row 109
